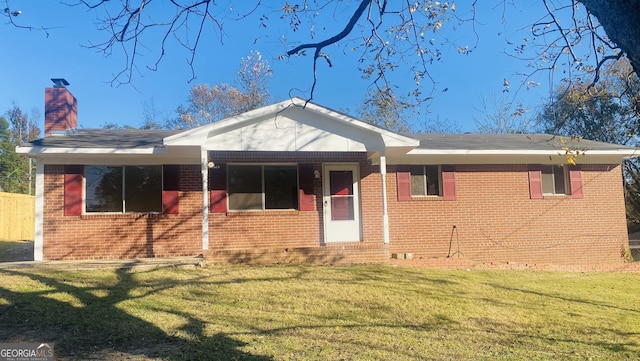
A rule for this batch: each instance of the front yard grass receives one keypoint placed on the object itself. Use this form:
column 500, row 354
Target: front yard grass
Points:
column 323, row 313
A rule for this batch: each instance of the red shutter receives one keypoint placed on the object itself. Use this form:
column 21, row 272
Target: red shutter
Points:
column 73, row 175
column 448, row 183
column 218, row 188
column 171, row 189
column 575, row 179
column 535, row 183
column 307, row 197
column 403, row 180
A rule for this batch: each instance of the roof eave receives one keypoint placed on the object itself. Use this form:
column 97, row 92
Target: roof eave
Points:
column 39, row 151
column 625, row 153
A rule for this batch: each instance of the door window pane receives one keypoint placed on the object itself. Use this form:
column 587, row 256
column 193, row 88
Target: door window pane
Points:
column 341, row 182
column 341, row 195
column 342, row 208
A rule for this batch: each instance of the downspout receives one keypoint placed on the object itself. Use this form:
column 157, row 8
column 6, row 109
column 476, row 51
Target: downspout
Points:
column 385, row 215
column 38, row 252
column 204, row 159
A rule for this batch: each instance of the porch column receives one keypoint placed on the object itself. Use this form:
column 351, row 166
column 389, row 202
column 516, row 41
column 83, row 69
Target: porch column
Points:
column 385, row 215
column 38, row 253
column 204, row 159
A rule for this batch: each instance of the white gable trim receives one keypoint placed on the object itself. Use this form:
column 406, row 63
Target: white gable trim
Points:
column 292, row 125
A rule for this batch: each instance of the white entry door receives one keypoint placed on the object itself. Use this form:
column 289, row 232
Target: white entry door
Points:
column 341, row 203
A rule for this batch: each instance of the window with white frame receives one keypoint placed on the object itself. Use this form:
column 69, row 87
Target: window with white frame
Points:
column 123, row 189
column 555, row 179
column 262, row 187
column 425, row 180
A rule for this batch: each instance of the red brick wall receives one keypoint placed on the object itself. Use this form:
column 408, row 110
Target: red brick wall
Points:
column 297, row 235
column 495, row 221
column 125, row 235
column 273, row 235
column 61, row 110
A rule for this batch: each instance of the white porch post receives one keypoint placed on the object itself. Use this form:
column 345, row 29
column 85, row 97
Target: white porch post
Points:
column 204, row 159
column 38, row 252
column 385, row 215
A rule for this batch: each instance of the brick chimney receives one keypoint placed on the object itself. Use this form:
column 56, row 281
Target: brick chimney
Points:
column 60, row 109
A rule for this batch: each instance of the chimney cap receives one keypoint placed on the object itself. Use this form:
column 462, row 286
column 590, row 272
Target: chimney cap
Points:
column 59, row 82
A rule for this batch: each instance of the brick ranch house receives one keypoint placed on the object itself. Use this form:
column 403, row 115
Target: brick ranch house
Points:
column 298, row 182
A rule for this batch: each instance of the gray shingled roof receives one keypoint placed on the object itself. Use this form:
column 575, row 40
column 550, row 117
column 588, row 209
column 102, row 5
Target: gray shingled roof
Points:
column 472, row 141
column 107, row 138
column 137, row 138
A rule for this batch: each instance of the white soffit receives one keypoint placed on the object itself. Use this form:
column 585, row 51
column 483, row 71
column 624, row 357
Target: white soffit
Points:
column 57, row 150
column 460, row 156
column 629, row 152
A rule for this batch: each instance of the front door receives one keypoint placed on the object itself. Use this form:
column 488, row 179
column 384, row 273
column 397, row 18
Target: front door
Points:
column 341, row 203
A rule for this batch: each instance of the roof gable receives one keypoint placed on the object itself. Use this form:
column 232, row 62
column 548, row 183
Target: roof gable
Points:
column 292, row 125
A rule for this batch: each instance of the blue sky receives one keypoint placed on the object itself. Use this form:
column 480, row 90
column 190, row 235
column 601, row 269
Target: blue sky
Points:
column 31, row 57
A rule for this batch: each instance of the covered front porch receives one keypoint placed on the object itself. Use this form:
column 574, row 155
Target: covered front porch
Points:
column 293, row 180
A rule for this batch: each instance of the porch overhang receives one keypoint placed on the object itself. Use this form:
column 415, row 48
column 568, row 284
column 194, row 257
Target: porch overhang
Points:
column 294, row 125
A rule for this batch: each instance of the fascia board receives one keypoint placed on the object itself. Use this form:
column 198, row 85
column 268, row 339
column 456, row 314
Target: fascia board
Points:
column 625, row 153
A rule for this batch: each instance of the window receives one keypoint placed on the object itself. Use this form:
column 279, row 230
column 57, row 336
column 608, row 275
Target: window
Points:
column 554, row 179
column 261, row 187
column 425, row 180
column 129, row 189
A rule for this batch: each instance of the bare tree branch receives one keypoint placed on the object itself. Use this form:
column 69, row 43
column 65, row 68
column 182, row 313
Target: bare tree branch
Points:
column 11, row 13
column 332, row 40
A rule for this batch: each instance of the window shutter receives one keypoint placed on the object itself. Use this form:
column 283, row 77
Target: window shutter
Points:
column 575, row 179
column 448, row 183
column 171, row 189
column 73, row 175
column 403, row 180
column 535, row 183
column 306, row 197
column 218, row 188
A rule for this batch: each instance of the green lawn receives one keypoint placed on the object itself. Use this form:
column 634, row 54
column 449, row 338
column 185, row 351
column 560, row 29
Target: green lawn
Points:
column 323, row 313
